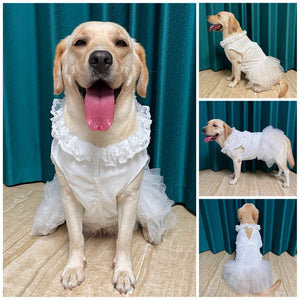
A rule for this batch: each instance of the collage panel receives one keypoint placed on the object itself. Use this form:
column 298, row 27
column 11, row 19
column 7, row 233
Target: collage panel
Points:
column 247, row 50
column 248, row 247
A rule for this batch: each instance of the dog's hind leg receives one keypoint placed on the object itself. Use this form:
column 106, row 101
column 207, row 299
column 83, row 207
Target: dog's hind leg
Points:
column 282, row 166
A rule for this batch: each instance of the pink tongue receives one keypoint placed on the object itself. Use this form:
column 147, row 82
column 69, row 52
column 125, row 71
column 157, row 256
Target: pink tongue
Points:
column 216, row 27
column 207, row 138
column 99, row 106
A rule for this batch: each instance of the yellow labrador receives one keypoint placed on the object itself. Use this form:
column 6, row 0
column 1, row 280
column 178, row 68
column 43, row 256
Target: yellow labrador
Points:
column 249, row 273
column 100, row 59
column 245, row 55
column 271, row 145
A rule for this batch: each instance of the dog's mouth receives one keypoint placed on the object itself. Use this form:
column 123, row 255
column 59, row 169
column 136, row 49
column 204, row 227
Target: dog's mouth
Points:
column 216, row 27
column 209, row 138
column 99, row 101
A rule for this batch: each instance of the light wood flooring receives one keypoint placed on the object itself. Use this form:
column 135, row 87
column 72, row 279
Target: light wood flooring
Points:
column 211, row 283
column 260, row 183
column 214, row 85
column 32, row 264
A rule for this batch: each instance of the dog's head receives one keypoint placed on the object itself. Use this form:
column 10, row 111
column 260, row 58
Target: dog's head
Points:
column 99, row 63
column 248, row 213
column 216, row 129
column 224, row 21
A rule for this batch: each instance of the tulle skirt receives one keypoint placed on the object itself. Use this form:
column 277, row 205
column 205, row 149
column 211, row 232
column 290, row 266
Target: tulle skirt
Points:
column 245, row 279
column 264, row 75
column 271, row 144
column 154, row 209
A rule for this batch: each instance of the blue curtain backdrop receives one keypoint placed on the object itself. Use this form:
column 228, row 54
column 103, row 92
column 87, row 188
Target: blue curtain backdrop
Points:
column 277, row 219
column 245, row 115
column 167, row 32
column 272, row 25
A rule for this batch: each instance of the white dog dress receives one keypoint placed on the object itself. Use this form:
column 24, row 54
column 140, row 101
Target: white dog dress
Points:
column 262, row 71
column 248, row 273
column 263, row 145
column 97, row 175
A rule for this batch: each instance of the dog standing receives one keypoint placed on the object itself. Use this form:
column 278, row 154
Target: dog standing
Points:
column 99, row 148
column 271, row 145
column 246, row 56
column 249, row 273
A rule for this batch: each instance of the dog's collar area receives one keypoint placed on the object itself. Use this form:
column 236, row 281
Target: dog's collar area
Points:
column 82, row 91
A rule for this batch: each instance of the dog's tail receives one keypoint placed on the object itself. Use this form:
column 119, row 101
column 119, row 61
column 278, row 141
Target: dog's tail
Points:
column 271, row 290
column 290, row 157
column 283, row 88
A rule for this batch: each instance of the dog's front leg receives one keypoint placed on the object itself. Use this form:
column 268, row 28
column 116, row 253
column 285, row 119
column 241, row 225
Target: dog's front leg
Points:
column 123, row 277
column 237, row 163
column 236, row 61
column 73, row 273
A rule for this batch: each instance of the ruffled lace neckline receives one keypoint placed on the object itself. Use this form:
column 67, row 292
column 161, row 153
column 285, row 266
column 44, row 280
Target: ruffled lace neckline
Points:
column 111, row 155
column 246, row 225
column 233, row 38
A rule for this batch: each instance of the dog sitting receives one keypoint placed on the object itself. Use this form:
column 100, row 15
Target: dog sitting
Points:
column 99, row 149
column 262, row 71
column 270, row 145
column 249, row 273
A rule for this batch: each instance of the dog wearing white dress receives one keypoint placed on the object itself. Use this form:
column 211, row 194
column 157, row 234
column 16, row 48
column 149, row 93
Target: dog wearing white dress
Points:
column 270, row 145
column 249, row 273
column 262, row 72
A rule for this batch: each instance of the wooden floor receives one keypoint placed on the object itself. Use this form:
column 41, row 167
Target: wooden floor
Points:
column 211, row 283
column 32, row 264
column 260, row 183
column 214, row 85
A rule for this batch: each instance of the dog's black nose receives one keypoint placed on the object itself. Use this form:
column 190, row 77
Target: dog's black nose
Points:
column 203, row 130
column 101, row 61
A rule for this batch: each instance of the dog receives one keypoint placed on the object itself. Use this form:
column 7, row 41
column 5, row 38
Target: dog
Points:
column 271, row 145
column 99, row 148
column 249, row 273
column 246, row 56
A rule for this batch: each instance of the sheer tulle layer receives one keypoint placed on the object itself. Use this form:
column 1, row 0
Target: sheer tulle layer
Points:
column 248, row 278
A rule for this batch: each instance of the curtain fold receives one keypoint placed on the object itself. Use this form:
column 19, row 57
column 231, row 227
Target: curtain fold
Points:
column 166, row 31
column 277, row 218
column 245, row 115
column 271, row 25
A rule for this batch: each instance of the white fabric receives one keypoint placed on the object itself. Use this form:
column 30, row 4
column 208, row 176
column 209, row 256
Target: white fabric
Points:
column 248, row 273
column 262, row 71
column 97, row 175
column 263, row 145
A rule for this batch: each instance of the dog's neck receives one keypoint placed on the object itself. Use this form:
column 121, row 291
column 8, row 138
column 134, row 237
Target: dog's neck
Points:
column 227, row 33
column 124, row 124
column 221, row 140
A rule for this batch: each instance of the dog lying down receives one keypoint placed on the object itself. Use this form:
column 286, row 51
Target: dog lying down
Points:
column 249, row 273
column 270, row 145
column 262, row 71
column 100, row 136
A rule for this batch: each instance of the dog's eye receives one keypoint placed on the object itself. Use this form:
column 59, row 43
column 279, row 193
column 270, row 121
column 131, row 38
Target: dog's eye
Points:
column 79, row 43
column 215, row 125
column 121, row 43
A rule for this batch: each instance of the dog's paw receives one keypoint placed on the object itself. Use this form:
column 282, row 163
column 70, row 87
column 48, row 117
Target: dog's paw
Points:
column 147, row 236
column 229, row 78
column 232, row 84
column 232, row 182
column 72, row 276
column 285, row 185
column 123, row 280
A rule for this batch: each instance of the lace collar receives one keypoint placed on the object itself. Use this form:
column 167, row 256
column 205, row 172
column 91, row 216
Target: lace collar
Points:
column 111, row 155
column 230, row 140
column 246, row 225
column 233, row 38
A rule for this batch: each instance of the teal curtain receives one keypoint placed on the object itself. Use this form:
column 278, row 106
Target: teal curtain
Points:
column 277, row 219
column 167, row 32
column 245, row 115
column 271, row 25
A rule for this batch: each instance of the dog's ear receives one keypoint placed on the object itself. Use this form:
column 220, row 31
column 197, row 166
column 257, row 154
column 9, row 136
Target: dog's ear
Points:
column 233, row 24
column 255, row 214
column 142, row 84
column 239, row 214
column 227, row 130
column 57, row 69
